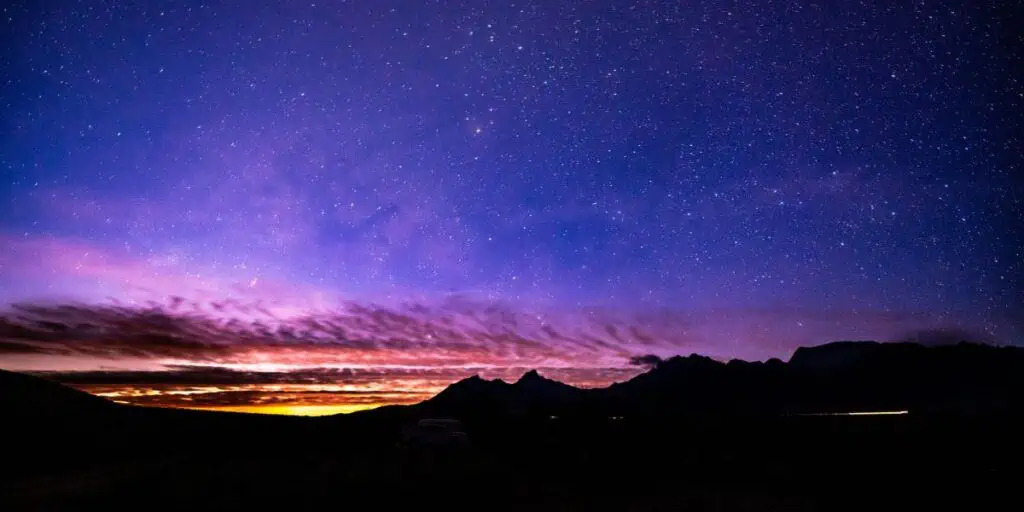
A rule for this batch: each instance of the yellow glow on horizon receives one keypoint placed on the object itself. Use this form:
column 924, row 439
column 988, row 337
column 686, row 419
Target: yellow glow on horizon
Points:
column 292, row 410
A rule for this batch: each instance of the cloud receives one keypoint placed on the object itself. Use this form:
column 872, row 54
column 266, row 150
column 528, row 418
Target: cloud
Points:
column 226, row 313
column 357, row 334
column 460, row 332
column 219, row 375
column 187, row 352
column 254, row 395
column 13, row 347
column 648, row 360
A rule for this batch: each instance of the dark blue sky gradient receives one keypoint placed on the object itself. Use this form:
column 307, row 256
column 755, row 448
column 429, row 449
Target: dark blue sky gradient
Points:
column 847, row 156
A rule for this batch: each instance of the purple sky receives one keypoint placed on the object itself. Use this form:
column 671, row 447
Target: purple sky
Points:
column 552, row 184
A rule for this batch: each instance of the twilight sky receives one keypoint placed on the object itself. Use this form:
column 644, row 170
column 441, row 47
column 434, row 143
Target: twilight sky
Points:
column 312, row 207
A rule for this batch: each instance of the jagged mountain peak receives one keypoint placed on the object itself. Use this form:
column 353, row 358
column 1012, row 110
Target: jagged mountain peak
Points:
column 531, row 376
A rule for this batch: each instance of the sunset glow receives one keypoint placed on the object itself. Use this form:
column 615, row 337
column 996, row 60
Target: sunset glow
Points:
column 194, row 355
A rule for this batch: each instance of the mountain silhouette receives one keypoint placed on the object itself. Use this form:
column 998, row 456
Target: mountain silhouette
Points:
column 533, row 383
column 531, row 394
column 688, row 421
column 838, row 377
column 27, row 396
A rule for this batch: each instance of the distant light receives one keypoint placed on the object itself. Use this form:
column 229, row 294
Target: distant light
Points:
column 875, row 413
column 857, row 413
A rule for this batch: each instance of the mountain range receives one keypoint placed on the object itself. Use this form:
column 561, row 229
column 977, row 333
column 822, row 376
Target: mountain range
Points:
column 834, row 378
column 839, row 377
column 688, row 433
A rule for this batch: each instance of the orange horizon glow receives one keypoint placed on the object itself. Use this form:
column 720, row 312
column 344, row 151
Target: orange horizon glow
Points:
column 294, row 410
column 279, row 399
column 349, row 392
column 276, row 410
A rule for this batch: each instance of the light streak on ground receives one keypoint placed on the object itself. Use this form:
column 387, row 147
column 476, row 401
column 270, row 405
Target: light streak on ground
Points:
column 857, row 413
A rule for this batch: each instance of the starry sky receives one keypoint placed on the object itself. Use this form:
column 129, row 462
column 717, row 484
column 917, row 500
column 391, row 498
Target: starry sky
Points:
column 312, row 207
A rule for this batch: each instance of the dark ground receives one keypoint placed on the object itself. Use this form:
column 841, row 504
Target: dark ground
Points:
column 169, row 459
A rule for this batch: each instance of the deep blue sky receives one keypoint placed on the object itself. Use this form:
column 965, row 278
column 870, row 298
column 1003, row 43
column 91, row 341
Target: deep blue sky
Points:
column 843, row 157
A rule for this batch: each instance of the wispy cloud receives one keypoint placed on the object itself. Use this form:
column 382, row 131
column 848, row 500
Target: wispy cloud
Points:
column 253, row 339
column 454, row 332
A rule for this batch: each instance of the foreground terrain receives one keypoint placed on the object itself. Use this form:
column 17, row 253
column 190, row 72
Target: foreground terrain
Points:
column 541, row 447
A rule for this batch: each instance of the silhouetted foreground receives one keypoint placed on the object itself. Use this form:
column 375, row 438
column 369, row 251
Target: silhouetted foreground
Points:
column 689, row 434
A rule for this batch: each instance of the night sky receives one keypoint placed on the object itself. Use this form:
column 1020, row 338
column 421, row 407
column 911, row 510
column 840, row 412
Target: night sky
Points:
column 319, row 207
